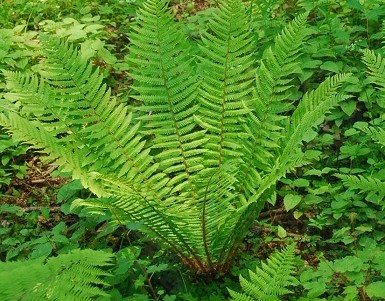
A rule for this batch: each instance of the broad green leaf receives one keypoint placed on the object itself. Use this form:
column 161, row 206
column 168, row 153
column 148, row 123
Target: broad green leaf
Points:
column 42, row 250
column 331, row 66
column 157, row 268
column 376, row 289
column 301, row 183
column 291, row 200
column 348, row 107
column 297, row 214
column 45, row 212
column 281, row 232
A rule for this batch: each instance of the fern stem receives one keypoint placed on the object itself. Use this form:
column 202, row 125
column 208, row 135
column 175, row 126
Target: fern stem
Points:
column 172, row 227
column 204, row 228
column 239, row 230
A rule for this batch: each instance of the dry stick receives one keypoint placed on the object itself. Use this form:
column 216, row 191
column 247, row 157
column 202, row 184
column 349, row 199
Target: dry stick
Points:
column 38, row 208
column 270, row 213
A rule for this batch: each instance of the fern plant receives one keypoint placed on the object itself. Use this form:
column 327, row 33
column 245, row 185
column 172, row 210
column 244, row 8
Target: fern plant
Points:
column 196, row 162
column 74, row 276
column 373, row 187
column 270, row 281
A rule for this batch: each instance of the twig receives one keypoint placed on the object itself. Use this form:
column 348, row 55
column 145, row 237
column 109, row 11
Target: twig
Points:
column 49, row 170
column 38, row 181
column 38, row 208
column 271, row 213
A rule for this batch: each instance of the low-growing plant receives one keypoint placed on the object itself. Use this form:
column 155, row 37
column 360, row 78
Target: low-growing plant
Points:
column 373, row 186
column 9, row 165
column 355, row 277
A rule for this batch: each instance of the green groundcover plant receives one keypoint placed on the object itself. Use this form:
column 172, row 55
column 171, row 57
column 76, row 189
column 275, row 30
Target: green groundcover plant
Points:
column 195, row 163
column 372, row 186
column 271, row 281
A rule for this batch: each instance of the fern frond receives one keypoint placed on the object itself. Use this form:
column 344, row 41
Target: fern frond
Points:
column 240, row 296
column 226, row 68
column 209, row 220
column 105, row 125
column 165, row 220
column 218, row 214
column 273, row 80
column 377, row 134
column 270, row 281
column 27, row 89
column 279, row 170
column 100, row 128
column 102, row 146
column 376, row 68
column 166, row 84
column 74, row 276
column 368, row 185
column 310, row 112
column 271, row 99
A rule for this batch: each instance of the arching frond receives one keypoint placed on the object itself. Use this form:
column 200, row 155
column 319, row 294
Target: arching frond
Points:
column 377, row 134
column 271, row 99
column 165, row 220
column 78, row 107
column 310, row 112
column 226, row 68
column 104, row 125
column 64, row 155
column 218, row 214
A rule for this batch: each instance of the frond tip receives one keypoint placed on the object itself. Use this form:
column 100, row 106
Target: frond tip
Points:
column 270, row 281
